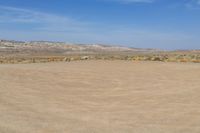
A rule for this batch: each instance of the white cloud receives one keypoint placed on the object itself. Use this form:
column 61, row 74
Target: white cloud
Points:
column 132, row 1
column 198, row 2
column 43, row 21
column 136, row 1
column 193, row 4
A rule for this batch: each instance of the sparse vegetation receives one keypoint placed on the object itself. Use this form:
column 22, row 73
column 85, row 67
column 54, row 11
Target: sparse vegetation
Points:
column 41, row 52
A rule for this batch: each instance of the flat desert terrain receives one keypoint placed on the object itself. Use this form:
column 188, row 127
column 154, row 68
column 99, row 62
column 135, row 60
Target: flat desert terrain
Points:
column 100, row 97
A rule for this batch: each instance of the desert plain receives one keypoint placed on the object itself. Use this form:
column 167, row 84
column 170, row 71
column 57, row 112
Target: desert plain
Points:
column 100, row 97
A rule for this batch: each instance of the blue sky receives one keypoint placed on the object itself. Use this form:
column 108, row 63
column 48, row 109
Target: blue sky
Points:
column 163, row 24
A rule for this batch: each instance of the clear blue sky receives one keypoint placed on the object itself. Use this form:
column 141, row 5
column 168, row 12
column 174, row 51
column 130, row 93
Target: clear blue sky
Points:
column 164, row 24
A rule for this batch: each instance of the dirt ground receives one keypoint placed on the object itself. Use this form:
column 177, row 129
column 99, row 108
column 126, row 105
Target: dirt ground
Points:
column 100, row 97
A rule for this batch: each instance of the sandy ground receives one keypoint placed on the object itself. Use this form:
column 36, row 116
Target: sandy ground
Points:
column 100, row 97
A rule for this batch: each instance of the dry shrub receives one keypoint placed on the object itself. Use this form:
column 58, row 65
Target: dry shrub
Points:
column 196, row 61
column 184, row 60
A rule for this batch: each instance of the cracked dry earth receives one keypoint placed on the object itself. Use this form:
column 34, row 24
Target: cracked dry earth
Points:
column 100, row 97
